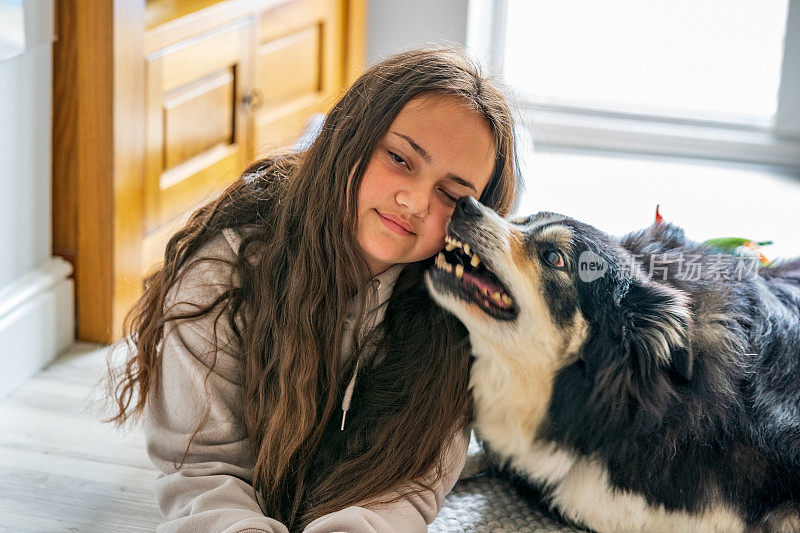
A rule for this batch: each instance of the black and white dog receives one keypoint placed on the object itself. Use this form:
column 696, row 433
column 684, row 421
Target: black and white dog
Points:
column 641, row 384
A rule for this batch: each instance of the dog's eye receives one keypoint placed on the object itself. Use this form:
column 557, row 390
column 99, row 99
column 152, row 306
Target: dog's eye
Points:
column 555, row 258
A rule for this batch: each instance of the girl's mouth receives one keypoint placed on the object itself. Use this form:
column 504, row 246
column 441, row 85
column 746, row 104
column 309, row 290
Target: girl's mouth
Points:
column 400, row 230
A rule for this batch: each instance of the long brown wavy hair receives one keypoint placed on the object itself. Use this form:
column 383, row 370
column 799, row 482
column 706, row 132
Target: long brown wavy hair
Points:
column 288, row 307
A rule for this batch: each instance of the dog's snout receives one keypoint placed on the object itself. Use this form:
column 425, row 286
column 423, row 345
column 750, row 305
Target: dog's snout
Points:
column 467, row 207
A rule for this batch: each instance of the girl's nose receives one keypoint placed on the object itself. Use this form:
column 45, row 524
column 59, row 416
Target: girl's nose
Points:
column 415, row 200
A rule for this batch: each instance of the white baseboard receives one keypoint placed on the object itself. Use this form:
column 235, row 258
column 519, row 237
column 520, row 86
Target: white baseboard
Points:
column 37, row 321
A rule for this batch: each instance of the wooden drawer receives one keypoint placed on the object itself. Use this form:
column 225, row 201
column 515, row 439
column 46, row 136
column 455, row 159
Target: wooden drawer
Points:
column 196, row 126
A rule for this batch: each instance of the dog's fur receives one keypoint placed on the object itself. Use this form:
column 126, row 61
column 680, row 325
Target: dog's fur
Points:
column 634, row 402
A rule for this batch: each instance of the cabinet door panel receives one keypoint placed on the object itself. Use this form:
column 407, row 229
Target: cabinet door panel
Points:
column 198, row 117
column 197, row 129
column 289, row 68
column 298, row 68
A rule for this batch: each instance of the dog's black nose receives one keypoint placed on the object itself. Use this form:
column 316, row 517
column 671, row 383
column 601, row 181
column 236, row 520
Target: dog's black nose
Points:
column 467, row 207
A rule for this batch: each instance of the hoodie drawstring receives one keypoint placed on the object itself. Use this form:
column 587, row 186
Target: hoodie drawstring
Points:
column 348, row 394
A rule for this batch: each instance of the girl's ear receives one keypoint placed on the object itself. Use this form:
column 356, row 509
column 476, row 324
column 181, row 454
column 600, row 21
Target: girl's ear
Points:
column 658, row 326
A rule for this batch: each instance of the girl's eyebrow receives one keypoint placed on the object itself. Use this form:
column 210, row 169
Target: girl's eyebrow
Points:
column 417, row 148
column 427, row 157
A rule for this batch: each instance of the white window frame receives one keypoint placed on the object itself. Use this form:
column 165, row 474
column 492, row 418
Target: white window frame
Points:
column 777, row 143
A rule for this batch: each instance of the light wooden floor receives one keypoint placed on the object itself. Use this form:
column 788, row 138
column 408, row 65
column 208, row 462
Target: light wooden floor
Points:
column 61, row 469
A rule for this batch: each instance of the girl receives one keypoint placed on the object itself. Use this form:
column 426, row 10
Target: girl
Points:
column 262, row 407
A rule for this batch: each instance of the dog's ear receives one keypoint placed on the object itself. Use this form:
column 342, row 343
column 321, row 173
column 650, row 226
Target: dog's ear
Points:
column 657, row 324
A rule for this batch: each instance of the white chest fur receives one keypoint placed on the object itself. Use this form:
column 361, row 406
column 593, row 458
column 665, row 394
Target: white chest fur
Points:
column 510, row 404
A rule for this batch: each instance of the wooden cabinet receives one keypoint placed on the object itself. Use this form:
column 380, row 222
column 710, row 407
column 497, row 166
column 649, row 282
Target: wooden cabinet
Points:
column 160, row 104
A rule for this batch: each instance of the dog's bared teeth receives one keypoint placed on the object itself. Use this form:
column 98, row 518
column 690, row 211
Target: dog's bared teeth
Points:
column 459, row 271
column 506, row 299
column 475, row 261
column 450, row 247
column 496, row 296
column 466, row 249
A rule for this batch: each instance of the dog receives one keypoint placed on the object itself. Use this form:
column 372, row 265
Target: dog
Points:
column 629, row 394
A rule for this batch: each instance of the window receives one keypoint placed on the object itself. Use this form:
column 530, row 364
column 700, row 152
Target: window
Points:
column 716, row 78
column 714, row 59
column 12, row 28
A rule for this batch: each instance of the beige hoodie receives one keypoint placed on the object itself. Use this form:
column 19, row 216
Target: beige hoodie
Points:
column 212, row 490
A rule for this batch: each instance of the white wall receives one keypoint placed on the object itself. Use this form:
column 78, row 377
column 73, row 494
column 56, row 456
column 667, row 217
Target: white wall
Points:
column 36, row 318
column 394, row 25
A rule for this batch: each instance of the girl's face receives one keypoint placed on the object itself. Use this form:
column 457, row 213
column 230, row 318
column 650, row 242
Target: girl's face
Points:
column 436, row 151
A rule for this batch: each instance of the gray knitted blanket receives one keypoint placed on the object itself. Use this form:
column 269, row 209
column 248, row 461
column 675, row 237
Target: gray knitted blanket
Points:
column 480, row 503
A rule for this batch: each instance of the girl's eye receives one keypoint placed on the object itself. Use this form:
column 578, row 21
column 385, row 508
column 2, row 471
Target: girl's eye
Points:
column 397, row 158
column 450, row 199
column 554, row 258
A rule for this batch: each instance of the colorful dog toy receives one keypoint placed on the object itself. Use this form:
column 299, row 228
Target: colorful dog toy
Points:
column 732, row 245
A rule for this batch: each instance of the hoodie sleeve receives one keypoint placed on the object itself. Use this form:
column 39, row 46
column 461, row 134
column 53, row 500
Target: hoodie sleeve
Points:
column 212, row 490
column 413, row 513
